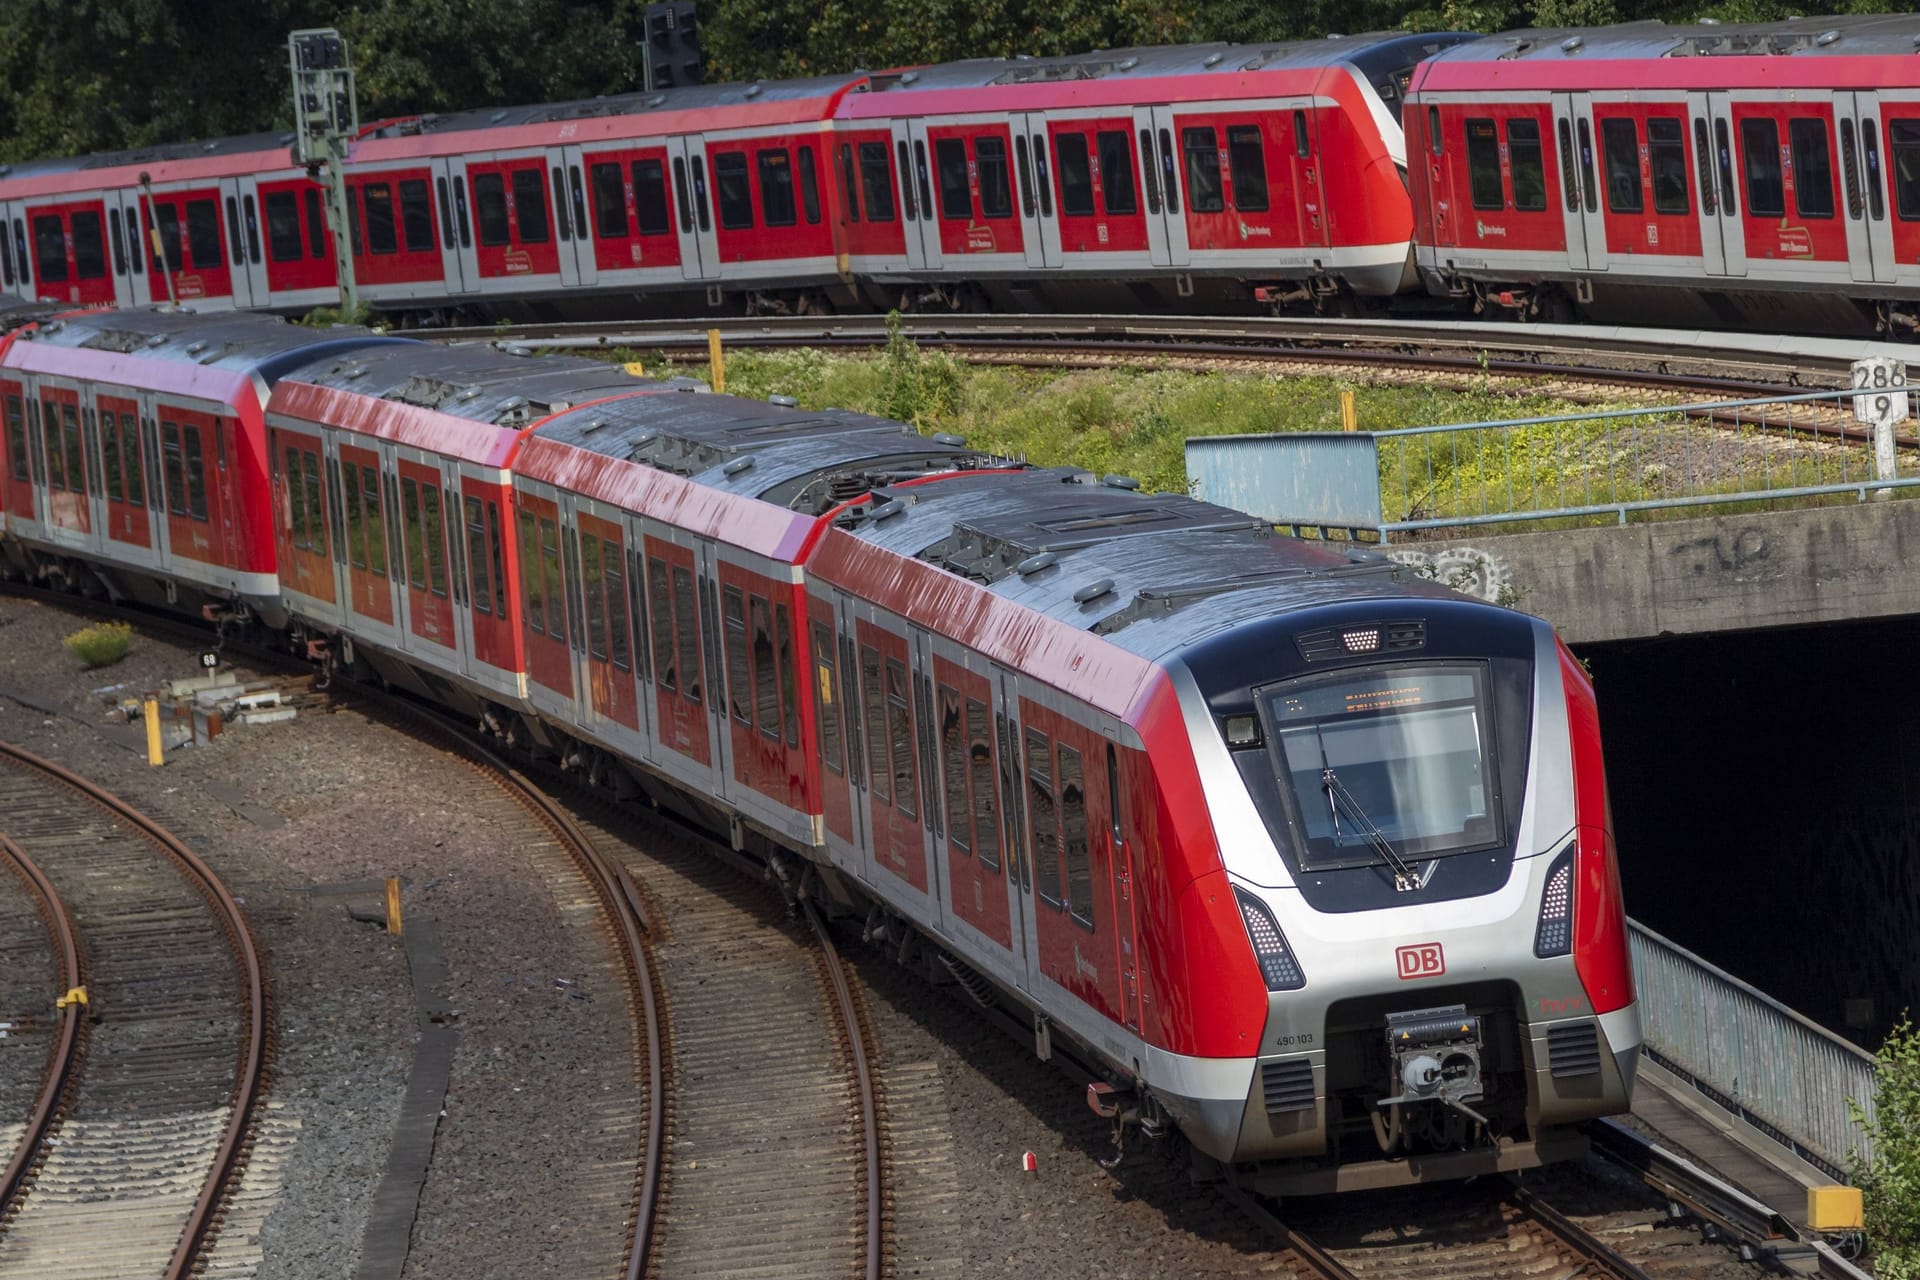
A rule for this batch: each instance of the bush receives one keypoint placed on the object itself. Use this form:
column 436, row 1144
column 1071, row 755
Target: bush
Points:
column 1891, row 1181
column 100, row 645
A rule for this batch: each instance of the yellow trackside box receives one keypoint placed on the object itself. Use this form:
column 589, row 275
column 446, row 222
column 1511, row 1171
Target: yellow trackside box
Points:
column 1835, row 1209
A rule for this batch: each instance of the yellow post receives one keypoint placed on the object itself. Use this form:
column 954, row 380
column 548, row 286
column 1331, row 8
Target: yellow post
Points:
column 717, row 360
column 1349, row 413
column 151, row 714
column 393, row 906
column 636, row 368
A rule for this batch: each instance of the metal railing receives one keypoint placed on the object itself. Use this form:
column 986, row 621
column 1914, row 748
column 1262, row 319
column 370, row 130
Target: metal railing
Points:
column 1577, row 468
column 1779, row 1071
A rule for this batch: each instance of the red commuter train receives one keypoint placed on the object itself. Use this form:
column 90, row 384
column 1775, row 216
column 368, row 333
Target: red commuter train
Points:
column 1306, row 857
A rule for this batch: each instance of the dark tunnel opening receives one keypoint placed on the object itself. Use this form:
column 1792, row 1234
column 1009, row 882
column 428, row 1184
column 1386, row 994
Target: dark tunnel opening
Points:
column 1766, row 799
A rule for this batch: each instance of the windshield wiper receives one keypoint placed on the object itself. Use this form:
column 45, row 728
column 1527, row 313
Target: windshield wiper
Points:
column 1405, row 878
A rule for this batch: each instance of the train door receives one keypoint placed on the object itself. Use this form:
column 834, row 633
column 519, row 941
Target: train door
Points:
column 12, row 277
column 244, row 268
column 123, row 476
column 69, row 512
column 1165, row 163
column 1726, row 178
column 1586, row 220
column 916, row 195
column 853, row 732
column 1019, row 859
column 699, row 244
column 933, row 828
column 1039, row 221
column 457, row 250
column 161, row 533
column 1870, row 254
column 1699, row 136
column 459, row 567
column 565, row 175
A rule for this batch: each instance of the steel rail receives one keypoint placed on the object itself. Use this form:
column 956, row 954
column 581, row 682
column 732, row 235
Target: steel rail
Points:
column 1590, row 1247
column 1316, row 1259
column 863, row 1078
column 63, row 1056
column 251, row 1077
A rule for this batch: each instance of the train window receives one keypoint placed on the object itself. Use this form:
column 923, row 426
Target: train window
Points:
column 190, row 448
column 6, row 251
column 985, row 818
column 900, row 738
column 309, row 497
column 530, row 207
column 490, row 208
column 50, row 438
column 477, row 558
column 956, row 200
column 436, row 539
column 1247, row 166
column 89, row 246
column 1667, row 156
column 446, row 212
column 353, row 221
column 1073, row 836
column 110, row 459
column 593, row 585
column 650, row 197
column 283, row 227
column 609, row 201
column 170, row 458
column 849, row 180
column 416, row 216
column 1043, row 821
column 736, row 196
column 377, row 522
column 1527, row 164
column 579, row 202
column 1870, row 144
column 410, row 535
column 733, row 627
column 920, row 178
column 1723, row 151
column 1116, row 172
column 77, row 455
column 1148, row 173
column 50, row 248
column 356, row 525
column 1203, row 170
column 1435, row 141
column 533, row 592
column 1701, row 151
column 550, row 574
column 559, row 201
column 809, row 186
column 1850, row 168
column 1760, row 148
column 1042, row 183
column 1812, row 167
column 1169, row 183
column 1302, row 146
column 680, row 185
column 619, row 642
column 377, row 199
column 17, row 456
column 460, row 210
column 316, row 225
column 1070, row 158
column 826, row 703
column 252, row 226
column 776, row 185
column 996, row 188
column 661, row 604
column 873, row 702
column 876, row 182
column 783, row 636
column 1903, row 142
column 906, row 183
column 1587, row 181
column 1483, row 165
column 637, row 608
column 20, row 246
column 1026, row 173
column 130, row 454
column 766, row 684
column 1620, row 143
column 233, row 232
column 203, row 233
column 686, row 632
column 296, row 504
column 953, row 768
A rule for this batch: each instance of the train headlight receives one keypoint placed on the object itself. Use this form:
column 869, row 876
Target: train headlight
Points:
column 1553, row 935
column 1277, row 965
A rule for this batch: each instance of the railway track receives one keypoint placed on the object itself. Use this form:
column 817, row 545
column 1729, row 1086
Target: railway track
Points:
column 157, row 1047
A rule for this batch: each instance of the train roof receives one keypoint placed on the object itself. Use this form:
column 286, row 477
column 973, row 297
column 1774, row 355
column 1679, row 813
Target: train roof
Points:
column 473, row 382
column 1150, row 572
column 241, row 342
column 1844, row 36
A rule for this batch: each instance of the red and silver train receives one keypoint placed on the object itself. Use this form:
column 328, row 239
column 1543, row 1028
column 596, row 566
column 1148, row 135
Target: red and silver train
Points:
column 1306, row 857
column 1765, row 174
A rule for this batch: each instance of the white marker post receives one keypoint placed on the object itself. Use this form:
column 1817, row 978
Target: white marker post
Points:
column 1882, row 401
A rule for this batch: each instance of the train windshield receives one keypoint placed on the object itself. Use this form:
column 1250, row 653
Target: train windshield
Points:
column 1397, row 756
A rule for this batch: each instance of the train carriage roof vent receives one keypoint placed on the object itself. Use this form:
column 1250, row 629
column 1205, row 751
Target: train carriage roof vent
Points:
column 591, row 425
column 784, row 402
column 1573, row 44
column 1827, row 37
column 889, row 509
column 949, row 438
column 1212, row 59
column 1113, row 481
column 195, row 347
column 738, row 465
column 157, row 340
column 753, row 90
column 1034, row 564
column 1093, row 591
column 1126, row 64
column 496, row 117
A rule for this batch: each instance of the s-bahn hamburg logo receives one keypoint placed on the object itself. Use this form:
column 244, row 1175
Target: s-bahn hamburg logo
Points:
column 1249, row 230
column 1420, row 960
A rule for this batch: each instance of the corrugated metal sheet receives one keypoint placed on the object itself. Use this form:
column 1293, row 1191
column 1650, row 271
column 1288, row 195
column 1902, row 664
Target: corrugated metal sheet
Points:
column 1328, row 479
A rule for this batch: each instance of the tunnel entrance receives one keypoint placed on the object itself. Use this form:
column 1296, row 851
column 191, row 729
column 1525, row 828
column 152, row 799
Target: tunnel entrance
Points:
column 1766, row 799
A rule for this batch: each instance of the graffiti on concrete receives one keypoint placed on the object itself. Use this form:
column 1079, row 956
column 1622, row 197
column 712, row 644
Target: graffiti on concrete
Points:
column 1468, row 570
column 1743, row 556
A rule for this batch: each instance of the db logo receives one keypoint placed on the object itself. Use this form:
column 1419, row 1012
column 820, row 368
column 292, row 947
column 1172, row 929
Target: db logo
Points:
column 1421, row 960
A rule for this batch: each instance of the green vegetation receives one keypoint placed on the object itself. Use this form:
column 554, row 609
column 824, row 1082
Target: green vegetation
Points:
column 100, row 645
column 86, row 75
column 1891, row 1181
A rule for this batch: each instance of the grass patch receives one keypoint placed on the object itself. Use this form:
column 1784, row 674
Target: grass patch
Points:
column 100, row 645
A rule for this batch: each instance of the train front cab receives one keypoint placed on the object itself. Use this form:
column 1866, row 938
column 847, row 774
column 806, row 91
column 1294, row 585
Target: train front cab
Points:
column 1462, row 1023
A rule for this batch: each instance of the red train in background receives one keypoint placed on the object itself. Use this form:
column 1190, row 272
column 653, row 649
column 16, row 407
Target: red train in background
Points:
column 1303, row 856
